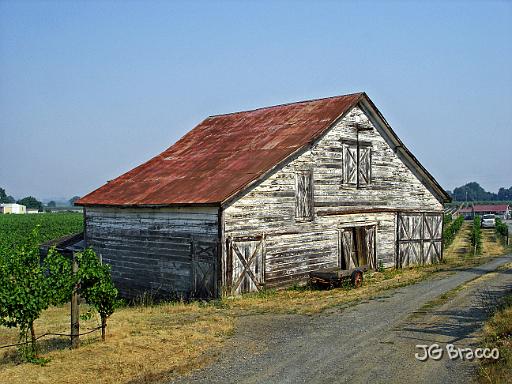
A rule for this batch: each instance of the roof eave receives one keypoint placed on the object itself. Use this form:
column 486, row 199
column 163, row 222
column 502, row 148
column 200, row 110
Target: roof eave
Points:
column 168, row 205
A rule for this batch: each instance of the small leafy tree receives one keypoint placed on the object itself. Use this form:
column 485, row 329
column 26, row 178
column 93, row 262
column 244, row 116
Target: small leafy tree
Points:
column 96, row 286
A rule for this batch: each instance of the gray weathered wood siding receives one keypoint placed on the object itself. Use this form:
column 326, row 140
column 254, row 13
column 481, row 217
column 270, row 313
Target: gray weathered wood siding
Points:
column 294, row 246
column 165, row 251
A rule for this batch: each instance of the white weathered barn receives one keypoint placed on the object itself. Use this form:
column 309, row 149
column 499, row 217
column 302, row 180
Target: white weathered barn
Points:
column 259, row 199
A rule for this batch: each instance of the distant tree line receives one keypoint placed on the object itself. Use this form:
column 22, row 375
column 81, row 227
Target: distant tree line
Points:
column 474, row 192
column 4, row 199
column 30, row 201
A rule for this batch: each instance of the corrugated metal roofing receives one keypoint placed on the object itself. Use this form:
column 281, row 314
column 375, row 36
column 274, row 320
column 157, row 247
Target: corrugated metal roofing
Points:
column 222, row 155
column 485, row 208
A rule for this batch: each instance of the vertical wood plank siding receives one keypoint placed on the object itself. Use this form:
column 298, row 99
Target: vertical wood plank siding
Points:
column 295, row 247
column 151, row 249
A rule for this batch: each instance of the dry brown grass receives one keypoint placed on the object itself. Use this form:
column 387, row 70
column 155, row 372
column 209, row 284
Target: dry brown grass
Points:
column 144, row 344
column 151, row 344
column 308, row 301
column 491, row 244
column 498, row 334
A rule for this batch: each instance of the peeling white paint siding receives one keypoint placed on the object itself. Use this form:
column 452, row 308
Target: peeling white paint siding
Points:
column 293, row 247
column 150, row 249
column 173, row 251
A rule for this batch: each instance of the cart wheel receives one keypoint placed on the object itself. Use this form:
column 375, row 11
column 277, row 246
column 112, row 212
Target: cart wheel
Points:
column 357, row 278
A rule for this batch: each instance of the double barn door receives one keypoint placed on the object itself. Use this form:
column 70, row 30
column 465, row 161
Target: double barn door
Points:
column 419, row 238
column 357, row 247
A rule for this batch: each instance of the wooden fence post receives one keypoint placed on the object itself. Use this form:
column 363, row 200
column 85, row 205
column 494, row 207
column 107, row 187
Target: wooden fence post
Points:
column 75, row 310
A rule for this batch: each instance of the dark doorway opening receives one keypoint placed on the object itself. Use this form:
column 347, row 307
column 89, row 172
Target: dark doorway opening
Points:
column 357, row 247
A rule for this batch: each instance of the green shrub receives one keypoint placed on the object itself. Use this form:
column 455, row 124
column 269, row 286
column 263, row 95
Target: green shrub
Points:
column 96, row 286
column 476, row 235
column 501, row 228
column 28, row 287
column 450, row 230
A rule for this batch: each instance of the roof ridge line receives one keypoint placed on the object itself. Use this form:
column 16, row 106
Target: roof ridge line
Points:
column 285, row 104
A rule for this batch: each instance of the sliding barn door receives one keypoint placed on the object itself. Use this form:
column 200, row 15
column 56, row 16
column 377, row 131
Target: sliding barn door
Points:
column 410, row 228
column 246, row 265
column 433, row 238
column 419, row 238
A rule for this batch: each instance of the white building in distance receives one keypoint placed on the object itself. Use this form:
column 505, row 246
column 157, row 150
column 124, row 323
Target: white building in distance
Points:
column 13, row 208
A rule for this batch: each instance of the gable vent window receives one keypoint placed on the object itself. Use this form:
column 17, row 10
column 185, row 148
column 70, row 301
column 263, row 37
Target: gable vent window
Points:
column 357, row 164
column 304, row 195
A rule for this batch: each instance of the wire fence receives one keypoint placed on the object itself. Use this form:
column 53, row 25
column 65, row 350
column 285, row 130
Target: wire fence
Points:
column 51, row 334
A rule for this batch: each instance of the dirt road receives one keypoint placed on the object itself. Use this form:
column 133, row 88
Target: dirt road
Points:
column 373, row 341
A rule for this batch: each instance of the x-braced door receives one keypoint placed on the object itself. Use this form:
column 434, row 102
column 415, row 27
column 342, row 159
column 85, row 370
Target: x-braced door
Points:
column 204, row 268
column 433, row 238
column 410, row 238
column 246, row 264
column 419, row 238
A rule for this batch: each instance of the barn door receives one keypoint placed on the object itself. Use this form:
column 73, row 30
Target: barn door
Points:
column 433, row 234
column 419, row 239
column 410, row 229
column 348, row 254
column 370, row 247
column 204, row 271
column 357, row 245
column 246, row 259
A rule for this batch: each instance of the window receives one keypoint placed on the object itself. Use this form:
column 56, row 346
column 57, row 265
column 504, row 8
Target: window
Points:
column 304, row 195
column 357, row 163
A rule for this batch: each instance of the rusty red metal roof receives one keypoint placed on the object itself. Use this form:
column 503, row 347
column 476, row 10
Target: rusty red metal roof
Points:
column 485, row 208
column 222, row 155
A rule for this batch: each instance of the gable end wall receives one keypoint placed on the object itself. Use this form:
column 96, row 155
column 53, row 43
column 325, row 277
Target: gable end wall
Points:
column 293, row 247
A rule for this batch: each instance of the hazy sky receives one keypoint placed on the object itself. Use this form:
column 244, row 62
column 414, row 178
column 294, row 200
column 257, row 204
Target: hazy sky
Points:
column 88, row 90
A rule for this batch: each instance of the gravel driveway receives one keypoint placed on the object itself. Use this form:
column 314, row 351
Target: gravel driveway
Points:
column 373, row 341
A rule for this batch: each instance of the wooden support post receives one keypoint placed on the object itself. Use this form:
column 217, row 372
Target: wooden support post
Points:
column 75, row 310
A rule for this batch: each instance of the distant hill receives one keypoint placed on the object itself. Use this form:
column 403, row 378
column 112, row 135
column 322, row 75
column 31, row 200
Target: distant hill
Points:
column 474, row 192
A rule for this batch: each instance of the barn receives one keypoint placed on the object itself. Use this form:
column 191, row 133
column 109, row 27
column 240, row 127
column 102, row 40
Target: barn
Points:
column 260, row 199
